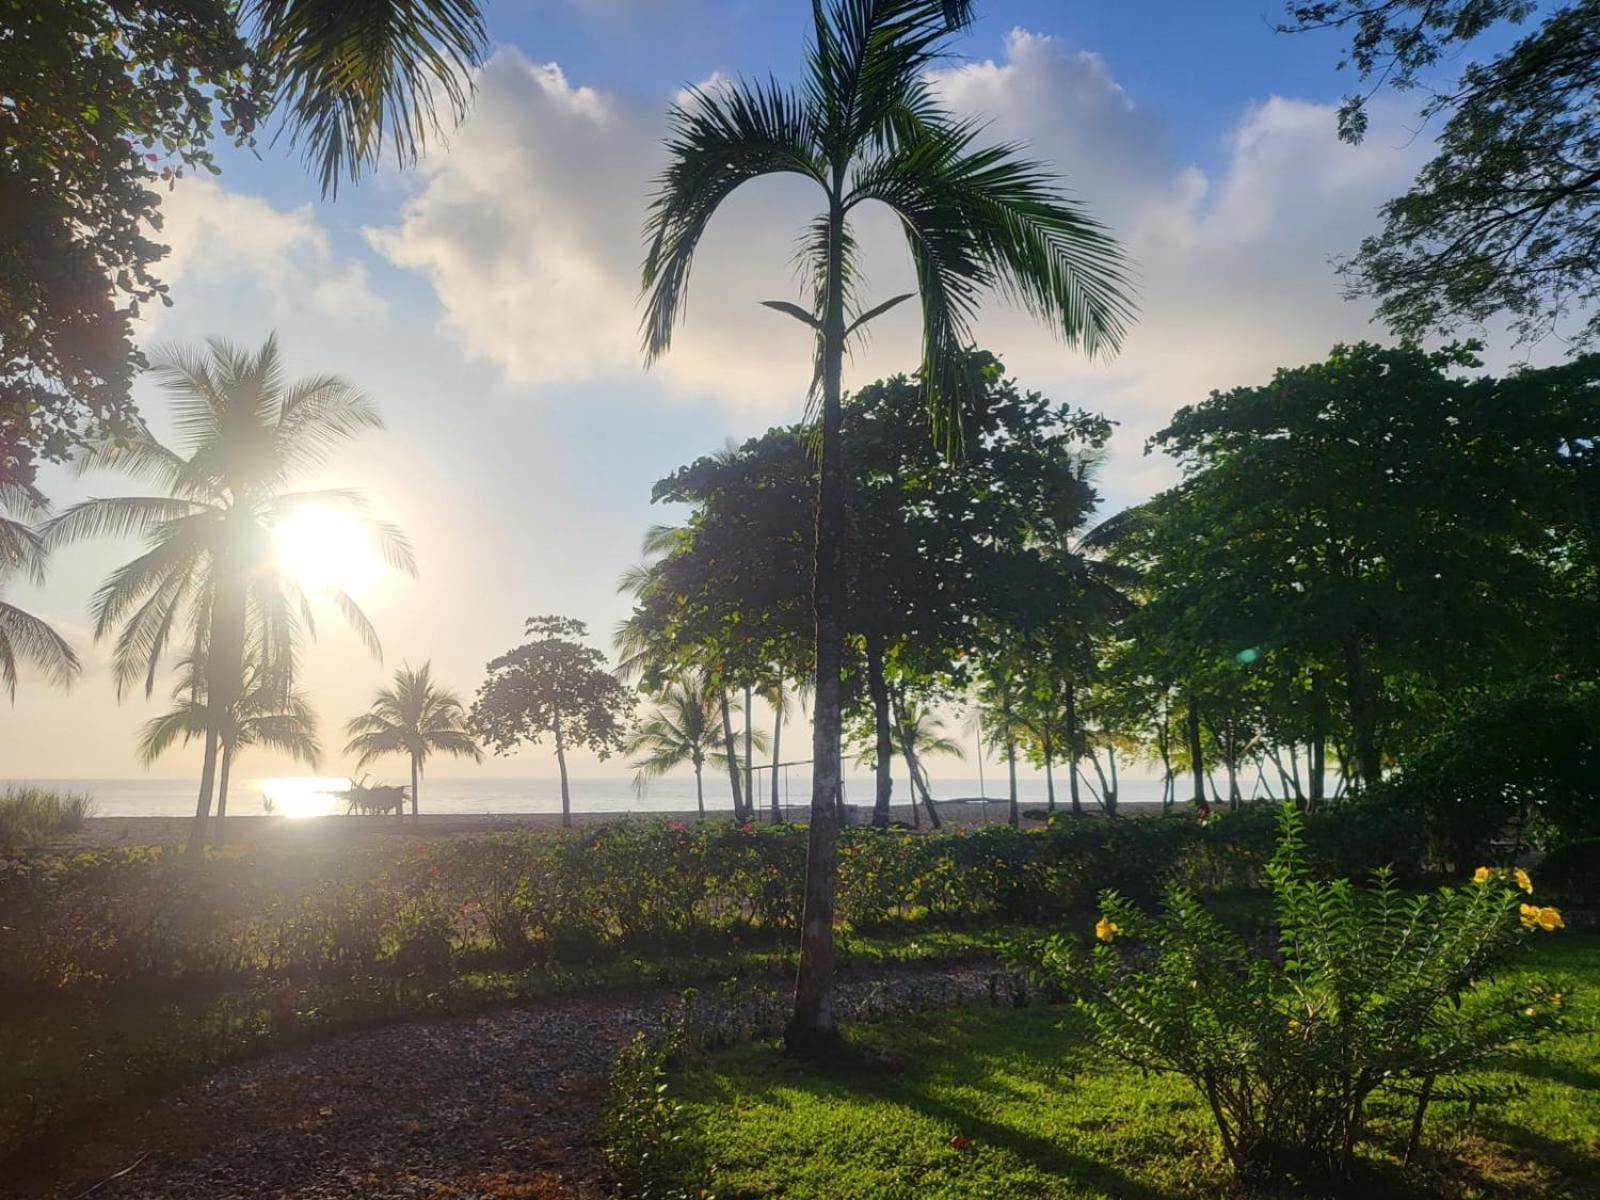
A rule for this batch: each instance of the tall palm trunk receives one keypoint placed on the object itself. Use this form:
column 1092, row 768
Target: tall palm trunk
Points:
column 777, row 743
column 812, row 1026
column 699, row 789
column 731, row 752
column 561, row 763
column 226, row 756
column 1363, row 717
column 749, row 753
column 416, row 787
column 1013, row 813
column 224, row 670
column 884, row 751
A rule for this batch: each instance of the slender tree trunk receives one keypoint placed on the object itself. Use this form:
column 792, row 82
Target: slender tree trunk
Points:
column 749, row 753
column 1363, row 720
column 884, row 745
column 731, row 751
column 1317, row 755
column 919, row 784
column 1168, row 782
column 224, row 668
column 699, row 790
column 226, row 756
column 1112, row 795
column 1013, row 813
column 416, row 789
column 911, row 794
column 983, row 788
column 561, row 763
column 777, row 743
column 1049, row 771
column 812, row 1026
column 1072, row 749
column 1196, row 757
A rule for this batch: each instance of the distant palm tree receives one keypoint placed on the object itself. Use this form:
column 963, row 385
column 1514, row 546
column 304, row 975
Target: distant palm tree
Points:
column 268, row 713
column 866, row 129
column 920, row 734
column 685, row 727
column 23, row 635
column 415, row 717
column 210, row 565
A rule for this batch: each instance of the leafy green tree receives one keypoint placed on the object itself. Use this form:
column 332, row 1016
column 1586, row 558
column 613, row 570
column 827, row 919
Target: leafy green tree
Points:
column 1328, row 518
column 210, row 572
column 866, row 129
column 106, row 105
column 24, row 636
column 1505, row 218
column 269, row 712
column 553, row 685
column 416, row 717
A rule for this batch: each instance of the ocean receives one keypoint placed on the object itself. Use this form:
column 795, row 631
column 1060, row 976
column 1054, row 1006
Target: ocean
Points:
column 308, row 796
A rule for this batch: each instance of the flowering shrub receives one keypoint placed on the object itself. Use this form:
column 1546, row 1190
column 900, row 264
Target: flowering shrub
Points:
column 1366, row 991
column 152, row 918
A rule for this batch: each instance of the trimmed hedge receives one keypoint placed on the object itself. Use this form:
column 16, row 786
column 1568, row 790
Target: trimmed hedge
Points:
column 151, row 918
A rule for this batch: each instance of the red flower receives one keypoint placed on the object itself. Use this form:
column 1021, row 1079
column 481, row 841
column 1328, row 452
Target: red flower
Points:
column 960, row 1142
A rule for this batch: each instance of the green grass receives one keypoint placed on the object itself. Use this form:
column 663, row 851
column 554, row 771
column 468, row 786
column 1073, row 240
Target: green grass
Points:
column 1043, row 1115
column 33, row 816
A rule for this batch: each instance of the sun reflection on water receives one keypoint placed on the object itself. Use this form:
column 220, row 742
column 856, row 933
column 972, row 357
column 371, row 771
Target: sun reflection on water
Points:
column 301, row 796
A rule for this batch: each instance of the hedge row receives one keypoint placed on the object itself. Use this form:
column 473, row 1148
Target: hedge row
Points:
column 150, row 917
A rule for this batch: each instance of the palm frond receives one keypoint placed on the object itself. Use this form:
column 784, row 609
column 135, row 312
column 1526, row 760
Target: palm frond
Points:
column 25, row 637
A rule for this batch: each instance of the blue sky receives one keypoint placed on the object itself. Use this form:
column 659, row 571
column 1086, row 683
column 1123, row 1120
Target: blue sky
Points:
column 487, row 300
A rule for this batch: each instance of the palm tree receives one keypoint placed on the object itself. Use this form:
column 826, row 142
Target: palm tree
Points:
column 269, row 712
column 921, row 734
column 349, row 78
column 24, row 636
column 684, row 728
column 415, row 717
column 865, row 128
column 210, row 565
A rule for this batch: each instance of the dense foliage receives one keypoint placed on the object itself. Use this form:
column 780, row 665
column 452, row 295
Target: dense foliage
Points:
column 1363, row 991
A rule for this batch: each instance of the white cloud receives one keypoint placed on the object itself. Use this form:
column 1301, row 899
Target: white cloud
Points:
column 529, row 230
column 279, row 260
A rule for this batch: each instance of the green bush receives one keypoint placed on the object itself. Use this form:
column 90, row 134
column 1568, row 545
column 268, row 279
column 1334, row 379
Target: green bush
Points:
column 151, row 918
column 31, row 816
column 641, row 1130
column 1365, row 991
column 1572, row 873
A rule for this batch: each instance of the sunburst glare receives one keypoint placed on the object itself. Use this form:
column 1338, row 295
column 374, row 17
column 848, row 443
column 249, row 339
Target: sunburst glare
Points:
column 301, row 795
column 324, row 547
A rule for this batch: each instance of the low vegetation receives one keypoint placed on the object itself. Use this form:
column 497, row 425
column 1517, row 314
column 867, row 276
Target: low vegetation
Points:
column 1021, row 1101
column 32, row 816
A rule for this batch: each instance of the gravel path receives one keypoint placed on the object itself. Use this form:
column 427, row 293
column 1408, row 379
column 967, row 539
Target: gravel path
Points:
column 500, row 1106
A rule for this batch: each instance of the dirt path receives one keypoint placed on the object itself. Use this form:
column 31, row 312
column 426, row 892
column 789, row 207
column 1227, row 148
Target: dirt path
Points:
column 501, row 1105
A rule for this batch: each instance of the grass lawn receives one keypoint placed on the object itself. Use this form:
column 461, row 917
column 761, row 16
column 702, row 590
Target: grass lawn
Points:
column 1016, row 1103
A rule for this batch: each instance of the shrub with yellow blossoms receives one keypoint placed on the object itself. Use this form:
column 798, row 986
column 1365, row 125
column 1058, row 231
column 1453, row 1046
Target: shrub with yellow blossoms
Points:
column 1369, row 991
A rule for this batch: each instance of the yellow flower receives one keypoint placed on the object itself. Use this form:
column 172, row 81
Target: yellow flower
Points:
column 1294, row 1024
column 1550, row 920
column 1555, row 1001
column 1522, row 879
column 1482, row 875
column 1528, row 1012
column 1106, row 930
column 1530, row 915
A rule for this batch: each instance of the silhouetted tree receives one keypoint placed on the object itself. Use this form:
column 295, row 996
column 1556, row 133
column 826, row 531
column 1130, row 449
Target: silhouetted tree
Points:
column 415, row 717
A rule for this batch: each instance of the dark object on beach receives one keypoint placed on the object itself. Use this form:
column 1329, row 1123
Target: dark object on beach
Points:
column 384, row 798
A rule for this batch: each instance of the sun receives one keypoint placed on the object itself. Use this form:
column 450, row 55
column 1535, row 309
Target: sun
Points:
column 326, row 548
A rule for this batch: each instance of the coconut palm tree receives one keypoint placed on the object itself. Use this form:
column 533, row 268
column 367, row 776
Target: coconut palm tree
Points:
column 23, row 636
column 866, row 129
column 349, row 79
column 683, row 728
column 920, row 734
column 210, row 567
column 269, row 712
column 415, row 717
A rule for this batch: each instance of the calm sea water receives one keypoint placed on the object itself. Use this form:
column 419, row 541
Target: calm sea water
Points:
column 312, row 796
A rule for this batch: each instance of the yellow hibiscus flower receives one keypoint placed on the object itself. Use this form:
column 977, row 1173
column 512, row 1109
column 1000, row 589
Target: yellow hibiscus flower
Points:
column 1523, row 881
column 1530, row 915
column 1482, row 875
column 1550, row 920
column 1106, row 930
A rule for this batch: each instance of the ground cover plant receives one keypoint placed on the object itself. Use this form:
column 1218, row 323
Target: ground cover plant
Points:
column 1020, row 1102
column 32, row 816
